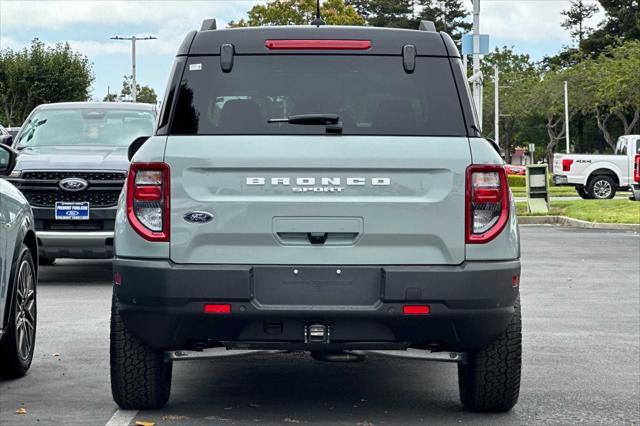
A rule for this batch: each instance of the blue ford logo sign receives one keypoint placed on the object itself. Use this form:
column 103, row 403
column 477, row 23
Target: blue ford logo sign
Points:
column 73, row 184
column 198, row 217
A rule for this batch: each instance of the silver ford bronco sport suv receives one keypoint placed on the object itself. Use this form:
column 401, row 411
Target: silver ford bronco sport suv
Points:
column 320, row 189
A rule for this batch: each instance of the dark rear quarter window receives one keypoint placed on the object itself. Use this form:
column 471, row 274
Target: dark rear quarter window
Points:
column 373, row 95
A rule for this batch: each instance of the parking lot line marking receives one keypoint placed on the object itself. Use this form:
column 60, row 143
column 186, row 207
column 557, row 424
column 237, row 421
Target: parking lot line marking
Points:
column 122, row 418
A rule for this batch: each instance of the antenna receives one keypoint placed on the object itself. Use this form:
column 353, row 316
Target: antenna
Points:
column 318, row 21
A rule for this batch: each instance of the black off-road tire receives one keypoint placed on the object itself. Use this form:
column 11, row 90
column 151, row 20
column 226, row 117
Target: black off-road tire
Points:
column 583, row 193
column 140, row 378
column 46, row 261
column 601, row 181
column 490, row 380
column 12, row 363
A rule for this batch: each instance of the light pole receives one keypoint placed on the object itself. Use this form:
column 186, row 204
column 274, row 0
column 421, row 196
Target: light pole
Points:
column 133, row 39
column 496, row 118
column 566, row 113
column 477, row 96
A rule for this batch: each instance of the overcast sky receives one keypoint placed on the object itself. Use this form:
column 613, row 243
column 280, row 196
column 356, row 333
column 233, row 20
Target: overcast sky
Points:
column 530, row 26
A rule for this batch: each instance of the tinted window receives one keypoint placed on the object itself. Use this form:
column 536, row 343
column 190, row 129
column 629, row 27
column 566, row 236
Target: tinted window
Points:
column 373, row 95
column 99, row 126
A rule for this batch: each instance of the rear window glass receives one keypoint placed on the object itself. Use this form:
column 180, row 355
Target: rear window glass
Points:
column 372, row 95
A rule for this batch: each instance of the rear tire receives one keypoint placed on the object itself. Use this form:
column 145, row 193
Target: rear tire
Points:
column 601, row 187
column 490, row 380
column 140, row 378
column 583, row 193
column 19, row 341
column 47, row 261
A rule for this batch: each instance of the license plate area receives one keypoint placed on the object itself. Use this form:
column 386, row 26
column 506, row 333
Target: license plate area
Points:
column 72, row 210
column 312, row 287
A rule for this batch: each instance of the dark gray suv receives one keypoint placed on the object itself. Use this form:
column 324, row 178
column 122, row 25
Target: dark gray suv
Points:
column 71, row 167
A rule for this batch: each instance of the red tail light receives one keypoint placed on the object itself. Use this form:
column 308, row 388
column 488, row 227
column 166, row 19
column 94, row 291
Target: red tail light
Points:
column 487, row 204
column 148, row 200
column 636, row 169
column 317, row 44
column 566, row 164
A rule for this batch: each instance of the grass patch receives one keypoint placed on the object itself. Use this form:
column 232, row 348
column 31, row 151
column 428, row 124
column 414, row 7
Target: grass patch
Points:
column 601, row 211
column 554, row 191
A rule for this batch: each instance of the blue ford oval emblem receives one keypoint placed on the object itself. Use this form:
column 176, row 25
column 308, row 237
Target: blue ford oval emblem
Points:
column 198, row 217
column 73, row 184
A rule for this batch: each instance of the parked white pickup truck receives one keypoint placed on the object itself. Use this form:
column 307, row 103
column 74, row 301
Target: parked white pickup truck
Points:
column 600, row 176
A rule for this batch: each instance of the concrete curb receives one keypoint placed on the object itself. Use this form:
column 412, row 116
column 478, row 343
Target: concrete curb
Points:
column 576, row 223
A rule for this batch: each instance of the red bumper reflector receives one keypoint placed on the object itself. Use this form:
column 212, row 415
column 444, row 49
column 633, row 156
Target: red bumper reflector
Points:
column 117, row 278
column 317, row 44
column 215, row 308
column 416, row 309
column 515, row 281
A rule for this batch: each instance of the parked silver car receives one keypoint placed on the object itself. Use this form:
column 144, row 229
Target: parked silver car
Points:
column 18, row 275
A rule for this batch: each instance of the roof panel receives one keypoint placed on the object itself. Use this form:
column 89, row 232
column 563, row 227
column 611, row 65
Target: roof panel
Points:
column 384, row 41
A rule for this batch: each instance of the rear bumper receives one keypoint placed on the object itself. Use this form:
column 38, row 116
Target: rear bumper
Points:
column 162, row 303
column 561, row 180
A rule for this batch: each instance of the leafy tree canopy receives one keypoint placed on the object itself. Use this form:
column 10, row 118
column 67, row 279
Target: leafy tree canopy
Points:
column 299, row 12
column 448, row 15
column 41, row 74
column 144, row 94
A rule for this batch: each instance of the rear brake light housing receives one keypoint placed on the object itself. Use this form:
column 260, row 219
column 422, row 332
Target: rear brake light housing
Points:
column 636, row 169
column 487, row 203
column 318, row 44
column 566, row 164
column 148, row 200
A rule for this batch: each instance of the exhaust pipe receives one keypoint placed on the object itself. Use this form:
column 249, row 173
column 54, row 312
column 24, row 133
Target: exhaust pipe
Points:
column 338, row 356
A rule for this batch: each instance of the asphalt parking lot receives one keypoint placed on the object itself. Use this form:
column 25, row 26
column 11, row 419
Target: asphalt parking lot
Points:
column 581, row 310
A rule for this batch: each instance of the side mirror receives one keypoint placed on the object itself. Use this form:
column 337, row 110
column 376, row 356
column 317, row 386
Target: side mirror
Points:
column 7, row 160
column 6, row 140
column 135, row 145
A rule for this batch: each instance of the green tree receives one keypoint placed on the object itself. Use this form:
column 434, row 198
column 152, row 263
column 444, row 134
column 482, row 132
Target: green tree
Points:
column 387, row 13
column 622, row 23
column 448, row 15
column 144, row 94
column 546, row 99
column 299, row 12
column 517, row 74
column 41, row 74
column 575, row 17
column 110, row 97
column 608, row 88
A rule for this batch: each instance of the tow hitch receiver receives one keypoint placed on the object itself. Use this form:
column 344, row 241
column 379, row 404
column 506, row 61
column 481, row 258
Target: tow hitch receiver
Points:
column 316, row 333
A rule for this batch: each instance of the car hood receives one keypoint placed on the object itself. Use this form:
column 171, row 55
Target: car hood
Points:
column 73, row 158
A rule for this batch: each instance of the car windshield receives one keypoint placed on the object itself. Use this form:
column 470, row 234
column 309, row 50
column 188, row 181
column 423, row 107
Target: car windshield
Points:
column 371, row 95
column 97, row 126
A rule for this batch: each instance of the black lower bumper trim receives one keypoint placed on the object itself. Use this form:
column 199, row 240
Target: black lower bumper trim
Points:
column 271, row 306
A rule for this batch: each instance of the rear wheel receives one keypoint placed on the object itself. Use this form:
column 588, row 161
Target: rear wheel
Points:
column 583, row 193
column 140, row 378
column 47, row 261
column 490, row 380
column 17, row 345
column 601, row 187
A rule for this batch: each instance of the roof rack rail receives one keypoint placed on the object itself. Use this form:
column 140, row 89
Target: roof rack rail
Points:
column 427, row 26
column 208, row 24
